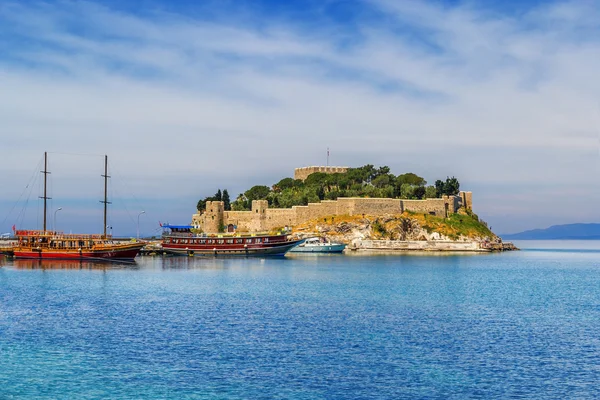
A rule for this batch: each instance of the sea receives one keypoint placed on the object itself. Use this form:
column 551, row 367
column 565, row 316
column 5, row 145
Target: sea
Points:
column 522, row 324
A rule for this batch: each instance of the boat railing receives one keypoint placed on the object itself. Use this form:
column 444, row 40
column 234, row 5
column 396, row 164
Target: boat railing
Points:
column 59, row 235
column 222, row 235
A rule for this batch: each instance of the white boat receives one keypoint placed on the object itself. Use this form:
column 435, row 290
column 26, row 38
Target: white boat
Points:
column 318, row 245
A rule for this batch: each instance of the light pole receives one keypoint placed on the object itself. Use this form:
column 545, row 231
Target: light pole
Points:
column 138, row 224
column 54, row 219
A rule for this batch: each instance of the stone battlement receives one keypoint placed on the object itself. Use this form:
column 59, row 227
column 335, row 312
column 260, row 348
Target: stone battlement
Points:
column 262, row 218
column 304, row 172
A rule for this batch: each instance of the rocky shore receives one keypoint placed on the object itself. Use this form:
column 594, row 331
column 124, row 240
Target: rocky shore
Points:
column 406, row 232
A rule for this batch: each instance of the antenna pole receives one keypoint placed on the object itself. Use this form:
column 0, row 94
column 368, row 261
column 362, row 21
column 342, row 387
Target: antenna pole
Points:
column 106, row 202
column 328, row 156
column 45, row 196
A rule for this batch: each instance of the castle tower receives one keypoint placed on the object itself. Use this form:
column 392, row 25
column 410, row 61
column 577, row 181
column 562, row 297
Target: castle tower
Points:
column 466, row 199
column 213, row 216
column 304, row 172
column 259, row 215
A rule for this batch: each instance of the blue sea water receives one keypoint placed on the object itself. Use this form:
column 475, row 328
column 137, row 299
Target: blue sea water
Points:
column 511, row 325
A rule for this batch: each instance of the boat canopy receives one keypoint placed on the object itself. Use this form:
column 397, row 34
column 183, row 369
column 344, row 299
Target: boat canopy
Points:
column 178, row 228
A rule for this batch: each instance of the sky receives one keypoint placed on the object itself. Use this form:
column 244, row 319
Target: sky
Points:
column 188, row 97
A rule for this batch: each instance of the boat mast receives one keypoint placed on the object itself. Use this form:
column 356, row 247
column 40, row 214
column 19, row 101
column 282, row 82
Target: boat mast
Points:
column 45, row 196
column 105, row 190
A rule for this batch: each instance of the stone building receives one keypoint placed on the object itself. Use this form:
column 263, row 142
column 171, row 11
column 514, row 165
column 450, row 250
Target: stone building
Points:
column 304, row 172
column 262, row 218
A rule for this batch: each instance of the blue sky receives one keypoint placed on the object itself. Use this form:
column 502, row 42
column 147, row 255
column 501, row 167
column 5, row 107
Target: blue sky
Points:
column 189, row 97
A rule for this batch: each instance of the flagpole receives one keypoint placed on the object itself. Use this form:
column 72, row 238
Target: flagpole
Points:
column 328, row 156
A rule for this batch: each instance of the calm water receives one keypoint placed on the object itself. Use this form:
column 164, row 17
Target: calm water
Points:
column 519, row 325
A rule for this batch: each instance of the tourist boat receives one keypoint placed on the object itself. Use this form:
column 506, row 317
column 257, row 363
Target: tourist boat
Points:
column 181, row 240
column 318, row 245
column 49, row 244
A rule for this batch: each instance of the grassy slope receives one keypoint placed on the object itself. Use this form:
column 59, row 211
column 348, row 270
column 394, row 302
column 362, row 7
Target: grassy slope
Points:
column 465, row 224
column 462, row 224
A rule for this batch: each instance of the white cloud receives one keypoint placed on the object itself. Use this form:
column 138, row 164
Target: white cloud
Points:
column 185, row 105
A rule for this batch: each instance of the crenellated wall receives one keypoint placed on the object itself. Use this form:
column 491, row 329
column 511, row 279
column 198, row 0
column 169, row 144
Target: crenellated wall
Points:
column 304, row 172
column 263, row 218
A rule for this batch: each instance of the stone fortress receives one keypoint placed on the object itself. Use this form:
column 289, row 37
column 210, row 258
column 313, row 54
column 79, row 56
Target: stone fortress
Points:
column 262, row 218
column 304, row 172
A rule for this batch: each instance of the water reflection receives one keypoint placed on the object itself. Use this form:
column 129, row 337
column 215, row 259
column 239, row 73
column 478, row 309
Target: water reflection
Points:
column 187, row 263
column 72, row 264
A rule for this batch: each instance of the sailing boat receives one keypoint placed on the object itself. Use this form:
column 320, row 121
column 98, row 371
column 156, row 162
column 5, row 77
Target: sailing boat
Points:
column 45, row 244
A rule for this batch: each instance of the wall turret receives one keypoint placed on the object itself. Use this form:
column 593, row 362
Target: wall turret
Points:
column 259, row 213
column 467, row 200
column 304, row 172
column 213, row 216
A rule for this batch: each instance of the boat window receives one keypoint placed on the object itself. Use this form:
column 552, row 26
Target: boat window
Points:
column 239, row 241
column 220, row 241
column 230, row 241
column 258, row 240
column 248, row 240
column 203, row 241
column 266, row 240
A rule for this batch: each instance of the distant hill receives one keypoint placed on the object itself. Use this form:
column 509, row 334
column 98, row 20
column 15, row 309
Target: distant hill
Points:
column 559, row 232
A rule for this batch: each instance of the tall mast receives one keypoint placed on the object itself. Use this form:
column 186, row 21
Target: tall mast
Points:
column 106, row 202
column 45, row 197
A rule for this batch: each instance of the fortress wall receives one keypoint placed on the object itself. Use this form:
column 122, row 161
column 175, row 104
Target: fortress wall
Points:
column 263, row 218
column 280, row 217
column 242, row 219
column 376, row 206
column 323, row 209
column 197, row 220
column 345, row 206
column 437, row 206
column 454, row 203
column 302, row 214
column 304, row 172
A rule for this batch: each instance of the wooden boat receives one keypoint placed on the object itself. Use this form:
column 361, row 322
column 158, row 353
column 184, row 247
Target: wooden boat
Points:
column 57, row 245
column 318, row 245
column 180, row 240
column 47, row 244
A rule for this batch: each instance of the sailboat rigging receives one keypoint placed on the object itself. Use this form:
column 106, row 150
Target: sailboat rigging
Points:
column 51, row 244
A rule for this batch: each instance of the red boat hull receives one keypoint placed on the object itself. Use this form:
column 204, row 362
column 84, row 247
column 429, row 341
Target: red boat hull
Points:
column 275, row 248
column 108, row 254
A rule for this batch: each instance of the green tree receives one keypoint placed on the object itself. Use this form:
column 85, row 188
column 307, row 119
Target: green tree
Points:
column 316, row 179
column 451, row 186
column 419, row 192
column 320, row 193
column 258, row 192
column 383, row 170
column 201, row 205
column 407, row 191
column 226, row 200
column 241, row 203
column 218, row 196
column 381, row 181
column 368, row 172
column 431, row 192
column 411, row 179
column 439, row 188
column 310, row 195
column 286, row 183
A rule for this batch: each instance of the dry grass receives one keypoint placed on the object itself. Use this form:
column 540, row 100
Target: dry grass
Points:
column 462, row 224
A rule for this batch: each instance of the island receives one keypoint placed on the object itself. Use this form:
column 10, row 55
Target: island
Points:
column 367, row 208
